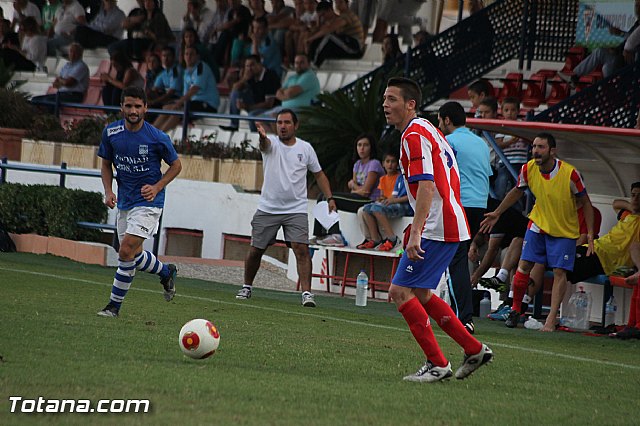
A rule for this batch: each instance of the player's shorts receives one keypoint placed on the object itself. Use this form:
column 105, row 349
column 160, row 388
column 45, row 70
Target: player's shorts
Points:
column 265, row 227
column 510, row 225
column 425, row 273
column 139, row 221
column 554, row 252
column 390, row 211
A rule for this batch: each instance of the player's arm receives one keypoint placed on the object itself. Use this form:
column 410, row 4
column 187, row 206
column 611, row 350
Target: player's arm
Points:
column 263, row 142
column 106, row 173
column 424, row 197
column 621, row 204
column 325, row 187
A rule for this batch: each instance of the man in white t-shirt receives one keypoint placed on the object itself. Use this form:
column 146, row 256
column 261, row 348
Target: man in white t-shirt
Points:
column 283, row 201
column 69, row 15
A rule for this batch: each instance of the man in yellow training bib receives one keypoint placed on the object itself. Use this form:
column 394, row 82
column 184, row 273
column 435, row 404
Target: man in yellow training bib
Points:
column 553, row 223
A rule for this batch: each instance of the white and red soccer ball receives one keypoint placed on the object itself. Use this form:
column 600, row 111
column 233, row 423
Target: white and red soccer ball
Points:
column 199, row 339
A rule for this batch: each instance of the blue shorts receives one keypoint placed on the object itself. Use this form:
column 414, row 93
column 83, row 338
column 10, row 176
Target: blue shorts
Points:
column 425, row 273
column 392, row 210
column 554, row 252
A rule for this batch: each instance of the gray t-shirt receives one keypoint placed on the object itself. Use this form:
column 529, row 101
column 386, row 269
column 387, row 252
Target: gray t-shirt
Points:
column 285, row 176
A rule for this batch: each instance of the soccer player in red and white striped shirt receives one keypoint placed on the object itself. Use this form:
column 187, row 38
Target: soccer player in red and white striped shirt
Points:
column 431, row 176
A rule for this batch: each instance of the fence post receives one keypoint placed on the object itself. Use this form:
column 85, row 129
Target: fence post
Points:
column 185, row 122
column 3, row 172
column 63, row 175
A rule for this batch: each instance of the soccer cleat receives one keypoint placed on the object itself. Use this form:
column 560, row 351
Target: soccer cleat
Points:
column 430, row 373
column 494, row 283
column 109, row 311
column 513, row 319
column 500, row 314
column 387, row 245
column 244, row 293
column 332, row 240
column 627, row 333
column 367, row 245
column 471, row 328
column 472, row 362
column 308, row 300
column 169, row 283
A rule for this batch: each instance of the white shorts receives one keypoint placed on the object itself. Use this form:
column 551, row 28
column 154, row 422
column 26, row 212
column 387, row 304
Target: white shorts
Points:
column 139, row 221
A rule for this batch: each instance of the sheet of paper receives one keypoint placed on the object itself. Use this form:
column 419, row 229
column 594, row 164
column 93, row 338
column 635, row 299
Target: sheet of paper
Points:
column 321, row 213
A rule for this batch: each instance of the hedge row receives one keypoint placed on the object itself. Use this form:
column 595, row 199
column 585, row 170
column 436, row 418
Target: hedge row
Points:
column 50, row 211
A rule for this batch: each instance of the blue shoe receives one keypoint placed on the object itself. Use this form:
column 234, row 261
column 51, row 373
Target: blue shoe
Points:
column 500, row 314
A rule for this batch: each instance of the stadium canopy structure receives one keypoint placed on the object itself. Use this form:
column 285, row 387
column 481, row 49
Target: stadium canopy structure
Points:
column 608, row 158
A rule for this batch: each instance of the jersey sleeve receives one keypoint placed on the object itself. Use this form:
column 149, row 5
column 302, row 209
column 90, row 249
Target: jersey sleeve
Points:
column 577, row 184
column 313, row 164
column 105, row 150
column 523, row 181
column 169, row 154
column 420, row 161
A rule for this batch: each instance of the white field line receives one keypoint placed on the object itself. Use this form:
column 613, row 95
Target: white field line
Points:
column 346, row 321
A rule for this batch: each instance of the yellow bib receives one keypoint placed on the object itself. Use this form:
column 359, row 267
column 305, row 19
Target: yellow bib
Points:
column 613, row 248
column 555, row 209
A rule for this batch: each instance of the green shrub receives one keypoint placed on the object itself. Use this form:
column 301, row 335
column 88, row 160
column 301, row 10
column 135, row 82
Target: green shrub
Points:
column 51, row 211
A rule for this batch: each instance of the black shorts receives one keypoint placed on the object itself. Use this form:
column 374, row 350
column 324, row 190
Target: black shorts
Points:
column 584, row 267
column 511, row 225
column 200, row 106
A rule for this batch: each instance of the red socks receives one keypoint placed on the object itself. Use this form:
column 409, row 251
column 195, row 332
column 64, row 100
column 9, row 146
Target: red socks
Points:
column 440, row 311
column 418, row 320
column 520, row 283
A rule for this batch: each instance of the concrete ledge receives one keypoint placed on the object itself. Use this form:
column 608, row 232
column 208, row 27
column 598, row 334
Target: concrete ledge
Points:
column 80, row 251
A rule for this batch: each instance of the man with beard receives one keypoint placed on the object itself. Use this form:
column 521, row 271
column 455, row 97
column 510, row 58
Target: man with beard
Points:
column 136, row 149
column 553, row 228
column 283, row 201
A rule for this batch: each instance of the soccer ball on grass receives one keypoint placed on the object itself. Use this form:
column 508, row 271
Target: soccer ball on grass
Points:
column 199, row 339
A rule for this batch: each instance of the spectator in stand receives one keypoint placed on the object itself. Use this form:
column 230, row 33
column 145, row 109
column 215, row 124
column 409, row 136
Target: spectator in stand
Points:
column 126, row 76
column 391, row 52
column 265, row 46
column 420, row 38
column 22, row 9
column 338, row 36
column 218, row 19
column 31, row 53
column 255, row 92
column 405, row 15
column 104, row 29
column 296, row 36
column 148, row 29
column 153, row 66
column 49, row 14
column 198, row 17
column 190, row 38
column 69, row 15
column 515, row 149
column 280, row 19
column 477, row 91
column 609, row 58
column 393, row 202
column 168, row 85
column 73, row 81
column 366, row 11
column 257, row 9
column 199, row 89
column 237, row 23
column 367, row 172
column 7, row 36
column 299, row 89
column 472, row 155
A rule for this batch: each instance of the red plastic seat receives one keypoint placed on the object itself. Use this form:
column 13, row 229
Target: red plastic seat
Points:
column 559, row 92
column 512, row 86
column 534, row 94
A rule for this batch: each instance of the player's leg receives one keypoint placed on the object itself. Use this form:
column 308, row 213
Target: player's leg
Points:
column 561, row 254
column 296, row 232
column 264, row 227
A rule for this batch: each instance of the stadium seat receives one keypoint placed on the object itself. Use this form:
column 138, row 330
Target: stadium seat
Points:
column 237, row 138
column 559, row 92
column 512, row 86
column 534, row 94
column 334, row 82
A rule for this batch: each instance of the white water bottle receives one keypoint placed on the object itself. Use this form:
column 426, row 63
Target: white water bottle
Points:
column 583, row 305
column 485, row 305
column 362, row 286
column 610, row 311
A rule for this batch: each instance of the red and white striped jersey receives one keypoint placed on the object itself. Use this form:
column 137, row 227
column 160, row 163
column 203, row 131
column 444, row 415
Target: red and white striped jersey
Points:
column 426, row 155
